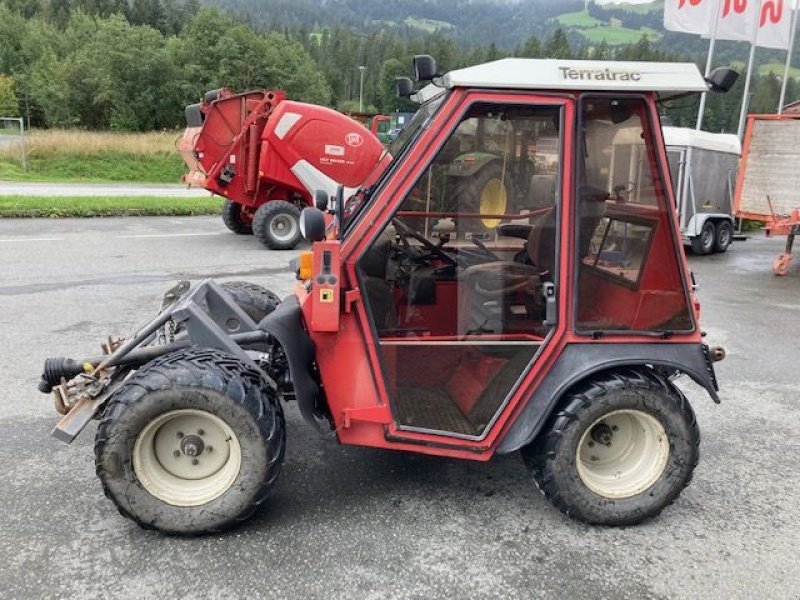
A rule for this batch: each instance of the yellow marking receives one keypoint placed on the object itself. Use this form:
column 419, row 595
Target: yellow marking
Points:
column 326, row 296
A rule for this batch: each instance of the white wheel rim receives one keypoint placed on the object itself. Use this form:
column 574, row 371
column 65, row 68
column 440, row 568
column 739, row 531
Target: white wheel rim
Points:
column 187, row 457
column 622, row 454
column 283, row 228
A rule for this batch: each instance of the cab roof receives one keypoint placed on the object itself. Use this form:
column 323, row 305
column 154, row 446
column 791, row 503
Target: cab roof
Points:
column 550, row 74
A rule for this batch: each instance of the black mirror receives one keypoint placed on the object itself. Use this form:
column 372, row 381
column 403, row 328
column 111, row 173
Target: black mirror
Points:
column 321, row 200
column 312, row 224
column 424, row 67
column 722, row 79
column 404, row 87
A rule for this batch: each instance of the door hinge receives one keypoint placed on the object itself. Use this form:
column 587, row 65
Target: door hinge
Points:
column 351, row 297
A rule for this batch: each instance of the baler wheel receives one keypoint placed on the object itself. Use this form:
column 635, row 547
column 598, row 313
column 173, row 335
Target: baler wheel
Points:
column 619, row 450
column 276, row 224
column 191, row 443
column 235, row 219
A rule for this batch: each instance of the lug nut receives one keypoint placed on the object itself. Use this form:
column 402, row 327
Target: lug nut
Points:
column 210, row 449
column 180, row 434
column 591, row 444
column 614, row 428
column 201, row 432
column 176, row 454
column 195, row 461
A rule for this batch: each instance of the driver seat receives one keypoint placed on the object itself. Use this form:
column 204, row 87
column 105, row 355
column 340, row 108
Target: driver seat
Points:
column 506, row 295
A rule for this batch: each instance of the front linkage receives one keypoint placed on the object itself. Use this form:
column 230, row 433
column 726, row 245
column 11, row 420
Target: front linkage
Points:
column 207, row 316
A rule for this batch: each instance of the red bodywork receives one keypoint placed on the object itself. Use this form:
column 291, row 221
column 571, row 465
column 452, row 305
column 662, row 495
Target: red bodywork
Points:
column 258, row 146
column 358, row 381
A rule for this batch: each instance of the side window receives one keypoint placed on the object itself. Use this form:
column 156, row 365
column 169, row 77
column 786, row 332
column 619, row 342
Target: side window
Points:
column 454, row 284
column 629, row 276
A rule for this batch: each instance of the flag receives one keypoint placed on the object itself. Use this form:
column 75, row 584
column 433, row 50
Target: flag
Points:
column 735, row 20
column 775, row 24
column 689, row 16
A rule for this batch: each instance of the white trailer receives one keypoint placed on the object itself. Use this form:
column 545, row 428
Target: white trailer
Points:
column 703, row 167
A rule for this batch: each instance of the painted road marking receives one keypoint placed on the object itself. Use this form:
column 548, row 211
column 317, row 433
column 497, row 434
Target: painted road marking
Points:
column 13, row 240
column 165, row 235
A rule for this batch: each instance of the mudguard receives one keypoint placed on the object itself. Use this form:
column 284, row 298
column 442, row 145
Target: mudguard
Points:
column 579, row 361
column 285, row 324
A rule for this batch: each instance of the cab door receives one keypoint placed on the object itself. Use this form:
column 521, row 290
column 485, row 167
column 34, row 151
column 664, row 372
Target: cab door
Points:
column 460, row 279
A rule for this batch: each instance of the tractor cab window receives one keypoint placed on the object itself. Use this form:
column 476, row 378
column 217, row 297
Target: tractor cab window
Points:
column 629, row 276
column 454, row 284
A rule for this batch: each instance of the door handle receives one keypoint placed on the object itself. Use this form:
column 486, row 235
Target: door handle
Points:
column 550, row 306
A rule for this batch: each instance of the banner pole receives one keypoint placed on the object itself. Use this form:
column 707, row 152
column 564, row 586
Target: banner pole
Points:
column 746, row 94
column 788, row 60
column 709, row 61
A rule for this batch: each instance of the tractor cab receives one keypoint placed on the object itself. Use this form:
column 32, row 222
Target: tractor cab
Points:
column 511, row 278
column 512, row 225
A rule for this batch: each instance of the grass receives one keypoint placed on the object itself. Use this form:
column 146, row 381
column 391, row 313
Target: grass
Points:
column 616, row 36
column 104, row 206
column 65, row 155
column 776, row 68
column 581, row 19
column 427, row 25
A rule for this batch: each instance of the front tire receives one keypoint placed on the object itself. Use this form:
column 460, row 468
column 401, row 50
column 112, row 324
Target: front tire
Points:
column 724, row 236
column 191, row 443
column 621, row 448
column 276, row 224
column 236, row 218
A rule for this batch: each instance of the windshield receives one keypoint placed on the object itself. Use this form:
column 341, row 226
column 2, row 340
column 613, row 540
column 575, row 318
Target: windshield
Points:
column 394, row 150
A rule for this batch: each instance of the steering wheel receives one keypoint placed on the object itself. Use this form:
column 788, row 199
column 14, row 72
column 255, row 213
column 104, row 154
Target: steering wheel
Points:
column 432, row 248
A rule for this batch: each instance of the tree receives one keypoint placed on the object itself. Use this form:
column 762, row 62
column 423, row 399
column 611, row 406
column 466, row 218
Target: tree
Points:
column 557, row 45
column 9, row 103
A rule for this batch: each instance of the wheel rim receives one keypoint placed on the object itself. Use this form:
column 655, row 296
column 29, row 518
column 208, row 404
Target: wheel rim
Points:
column 493, row 201
column 708, row 237
column 187, row 457
column 283, row 228
column 724, row 237
column 622, row 454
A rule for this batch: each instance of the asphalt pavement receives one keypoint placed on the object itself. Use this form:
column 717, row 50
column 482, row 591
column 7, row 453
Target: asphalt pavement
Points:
column 348, row 522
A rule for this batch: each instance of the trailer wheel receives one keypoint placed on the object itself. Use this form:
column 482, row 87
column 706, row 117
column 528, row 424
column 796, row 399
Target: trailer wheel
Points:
column 257, row 301
column 235, row 219
column 191, row 443
column 703, row 243
column 724, row 236
column 620, row 449
column 276, row 224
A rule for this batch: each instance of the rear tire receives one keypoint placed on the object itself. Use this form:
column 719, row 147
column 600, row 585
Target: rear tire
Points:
column 704, row 242
column 191, row 443
column 257, row 301
column 485, row 192
column 276, row 224
column 724, row 236
column 621, row 448
column 234, row 219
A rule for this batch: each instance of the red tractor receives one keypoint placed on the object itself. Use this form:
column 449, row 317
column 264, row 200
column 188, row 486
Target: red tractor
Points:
column 553, row 323
column 267, row 156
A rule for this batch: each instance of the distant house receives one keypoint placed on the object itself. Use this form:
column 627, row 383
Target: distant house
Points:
column 793, row 108
column 615, row 22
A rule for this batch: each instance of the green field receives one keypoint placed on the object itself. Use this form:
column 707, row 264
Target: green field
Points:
column 641, row 9
column 776, row 68
column 616, row 36
column 581, row 19
column 154, row 168
column 427, row 25
column 48, row 206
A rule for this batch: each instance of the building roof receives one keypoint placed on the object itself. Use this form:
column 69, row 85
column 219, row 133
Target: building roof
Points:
column 551, row 74
column 717, row 142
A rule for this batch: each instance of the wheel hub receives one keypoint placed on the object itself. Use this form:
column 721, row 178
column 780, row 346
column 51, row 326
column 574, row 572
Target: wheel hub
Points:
column 192, row 445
